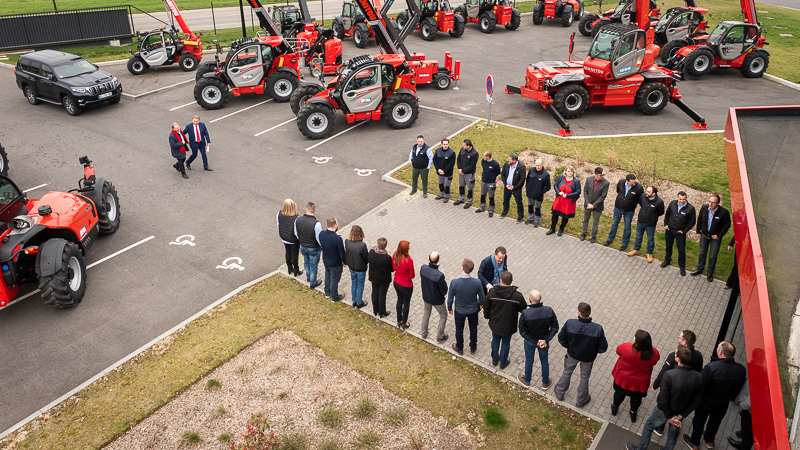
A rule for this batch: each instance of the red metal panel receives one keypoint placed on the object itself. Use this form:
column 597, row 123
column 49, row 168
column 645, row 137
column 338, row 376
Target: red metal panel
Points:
column 769, row 419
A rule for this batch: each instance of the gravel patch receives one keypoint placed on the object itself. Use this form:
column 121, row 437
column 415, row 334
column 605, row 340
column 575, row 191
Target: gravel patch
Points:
column 288, row 381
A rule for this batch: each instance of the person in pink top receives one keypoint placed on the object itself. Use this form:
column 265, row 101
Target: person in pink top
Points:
column 633, row 370
column 403, row 282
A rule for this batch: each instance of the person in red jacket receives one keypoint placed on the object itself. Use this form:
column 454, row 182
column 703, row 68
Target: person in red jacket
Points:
column 403, row 282
column 633, row 370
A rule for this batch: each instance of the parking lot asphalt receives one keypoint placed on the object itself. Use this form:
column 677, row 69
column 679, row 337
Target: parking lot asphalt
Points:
column 230, row 212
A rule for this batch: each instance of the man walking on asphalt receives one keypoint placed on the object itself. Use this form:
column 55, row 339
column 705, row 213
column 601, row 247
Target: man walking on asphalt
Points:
column 594, row 196
column 491, row 170
column 466, row 163
column 502, row 307
column 629, row 191
column 421, row 159
column 434, row 288
column 467, row 293
column 513, row 175
column 538, row 325
column 651, row 207
column 492, row 267
column 723, row 379
column 679, row 396
column 333, row 259
column 307, row 230
column 712, row 223
column 679, row 219
column 199, row 140
column 444, row 160
column 584, row 340
column 536, row 185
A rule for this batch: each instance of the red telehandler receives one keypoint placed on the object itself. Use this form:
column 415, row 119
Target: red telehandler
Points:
column 566, row 10
column 678, row 26
column 437, row 16
column 731, row 43
column 618, row 71
column 164, row 47
column 625, row 13
column 490, row 13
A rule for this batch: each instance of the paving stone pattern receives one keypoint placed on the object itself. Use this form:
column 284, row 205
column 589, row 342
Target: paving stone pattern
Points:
column 626, row 293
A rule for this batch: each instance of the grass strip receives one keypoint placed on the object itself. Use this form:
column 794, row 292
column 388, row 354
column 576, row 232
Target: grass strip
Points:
column 696, row 160
column 410, row 368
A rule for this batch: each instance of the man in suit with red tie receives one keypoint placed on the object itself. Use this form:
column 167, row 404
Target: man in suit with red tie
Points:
column 198, row 140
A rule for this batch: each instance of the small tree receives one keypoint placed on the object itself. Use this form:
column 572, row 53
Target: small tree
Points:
column 257, row 436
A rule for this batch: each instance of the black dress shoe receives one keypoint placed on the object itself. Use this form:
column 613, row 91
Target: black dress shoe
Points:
column 560, row 232
column 550, row 231
column 503, row 215
column 583, row 237
column 480, row 210
column 188, row 166
column 633, row 416
column 519, row 220
column 467, row 205
column 593, row 240
column 683, row 272
column 491, row 214
column 438, row 197
column 664, row 264
column 297, row 273
column 607, row 243
column 695, row 273
column 457, row 202
column 185, row 176
column 614, row 409
column 710, row 277
column 208, row 169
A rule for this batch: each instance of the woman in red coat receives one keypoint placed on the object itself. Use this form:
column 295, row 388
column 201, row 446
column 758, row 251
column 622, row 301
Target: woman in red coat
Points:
column 633, row 370
column 568, row 190
column 403, row 282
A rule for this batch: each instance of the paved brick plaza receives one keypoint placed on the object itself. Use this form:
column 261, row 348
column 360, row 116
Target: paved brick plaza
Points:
column 625, row 293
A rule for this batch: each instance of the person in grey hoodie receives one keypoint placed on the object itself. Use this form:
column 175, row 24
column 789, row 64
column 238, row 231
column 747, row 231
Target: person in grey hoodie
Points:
column 467, row 293
column 502, row 308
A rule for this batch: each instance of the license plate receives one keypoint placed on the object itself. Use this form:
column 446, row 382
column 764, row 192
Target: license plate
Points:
column 106, row 95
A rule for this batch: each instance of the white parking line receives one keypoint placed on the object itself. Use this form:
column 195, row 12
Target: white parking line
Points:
column 18, row 299
column 276, row 126
column 182, row 106
column 33, row 188
column 237, row 112
column 157, row 90
column 337, row 134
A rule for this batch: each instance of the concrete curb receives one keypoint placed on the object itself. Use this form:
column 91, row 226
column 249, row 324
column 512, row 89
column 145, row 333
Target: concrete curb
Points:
column 787, row 83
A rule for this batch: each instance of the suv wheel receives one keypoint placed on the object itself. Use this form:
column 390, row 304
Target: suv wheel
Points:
column 30, row 94
column 71, row 105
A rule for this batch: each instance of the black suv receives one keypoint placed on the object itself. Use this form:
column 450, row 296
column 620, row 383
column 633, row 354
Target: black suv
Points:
column 65, row 79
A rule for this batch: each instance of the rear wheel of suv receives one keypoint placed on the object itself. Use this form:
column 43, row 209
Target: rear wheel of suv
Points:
column 211, row 93
column 137, row 66
column 71, row 105
column 30, row 94
column 66, row 287
column 108, row 216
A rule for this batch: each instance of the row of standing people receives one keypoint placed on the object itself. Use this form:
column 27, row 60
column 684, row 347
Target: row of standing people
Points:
column 680, row 217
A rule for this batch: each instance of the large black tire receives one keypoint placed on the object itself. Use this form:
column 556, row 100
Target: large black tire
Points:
column 578, row 15
column 458, row 26
column 698, row 63
column 66, row 287
column 669, row 49
column 400, row 111
column 460, row 11
column 585, row 24
column 442, row 81
column 108, row 214
column 211, row 93
column 3, row 161
column 301, row 94
column 487, row 22
column 281, row 86
column 538, row 17
column 30, row 94
column 188, row 62
column 401, row 19
column 137, row 66
column 599, row 26
column 516, row 19
column 204, row 69
column 360, row 35
column 71, row 105
column 428, row 28
column 566, row 16
column 755, row 64
column 571, row 100
column 652, row 97
column 338, row 29
column 316, row 121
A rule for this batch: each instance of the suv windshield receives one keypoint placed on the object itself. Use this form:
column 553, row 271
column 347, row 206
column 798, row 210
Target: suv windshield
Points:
column 73, row 69
column 603, row 46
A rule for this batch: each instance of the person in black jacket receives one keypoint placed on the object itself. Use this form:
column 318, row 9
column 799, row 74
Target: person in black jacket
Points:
column 380, row 275
column 332, row 259
column 502, row 307
column 584, row 340
column 421, row 159
column 679, row 219
column 629, row 191
column 712, row 224
column 490, row 171
column 466, row 163
column 687, row 338
column 595, row 192
column 513, row 177
column 356, row 258
column 492, row 267
column 651, row 208
column 538, row 325
column 307, row 230
column 723, row 378
column 444, row 160
column 536, row 185
column 434, row 289
column 178, row 143
column 285, row 219
column 679, row 396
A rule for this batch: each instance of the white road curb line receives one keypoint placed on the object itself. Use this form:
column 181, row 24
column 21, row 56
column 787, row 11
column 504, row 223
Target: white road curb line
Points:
column 787, row 83
column 598, row 436
column 132, row 355
column 157, row 90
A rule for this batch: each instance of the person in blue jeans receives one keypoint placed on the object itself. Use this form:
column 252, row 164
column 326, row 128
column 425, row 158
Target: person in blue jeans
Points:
column 333, row 259
column 307, row 229
column 538, row 325
column 629, row 191
column 355, row 256
column 502, row 307
column 651, row 207
column 467, row 293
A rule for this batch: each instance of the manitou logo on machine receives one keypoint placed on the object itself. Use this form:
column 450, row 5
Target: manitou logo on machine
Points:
column 592, row 69
column 175, row 11
column 368, row 10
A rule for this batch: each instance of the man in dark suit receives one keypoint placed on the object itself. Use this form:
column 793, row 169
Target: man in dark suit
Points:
column 712, row 224
column 594, row 196
column 492, row 267
column 513, row 175
column 679, row 220
column 198, row 140
column 629, row 191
